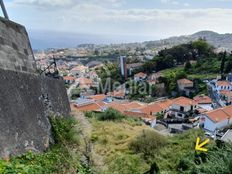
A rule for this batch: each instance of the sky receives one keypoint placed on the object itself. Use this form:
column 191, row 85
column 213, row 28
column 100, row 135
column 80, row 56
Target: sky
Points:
column 122, row 20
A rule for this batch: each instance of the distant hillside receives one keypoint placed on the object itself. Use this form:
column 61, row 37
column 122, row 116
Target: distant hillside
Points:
column 223, row 41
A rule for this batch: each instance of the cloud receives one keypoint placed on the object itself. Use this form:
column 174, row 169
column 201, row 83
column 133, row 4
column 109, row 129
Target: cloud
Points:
column 66, row 3
column 173, row 2
column 105, row 17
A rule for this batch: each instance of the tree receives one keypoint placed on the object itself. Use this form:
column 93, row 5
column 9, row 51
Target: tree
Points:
column 223, row 59
column 111, row 115
column 75, row 93
column 202, row 47
column 228, row 66
column 187, row 66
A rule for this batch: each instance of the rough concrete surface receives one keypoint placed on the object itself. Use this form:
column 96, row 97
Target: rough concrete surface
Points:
column 15, row 48
column 26, row 101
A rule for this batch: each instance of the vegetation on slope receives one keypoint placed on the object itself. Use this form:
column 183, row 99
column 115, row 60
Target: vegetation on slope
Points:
column 127, row 146
column 61, row 158
column 131, row 148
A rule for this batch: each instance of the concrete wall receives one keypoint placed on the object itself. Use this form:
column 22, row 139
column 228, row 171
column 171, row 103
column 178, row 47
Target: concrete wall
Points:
column 15, row 49
column 26, row 101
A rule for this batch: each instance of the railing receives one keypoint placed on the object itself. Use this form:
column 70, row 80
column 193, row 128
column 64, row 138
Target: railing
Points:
column 4, row 10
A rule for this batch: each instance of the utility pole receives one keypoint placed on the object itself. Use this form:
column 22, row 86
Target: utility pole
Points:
column 4, row 10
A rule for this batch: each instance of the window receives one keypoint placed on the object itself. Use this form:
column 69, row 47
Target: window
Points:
column 181, row 108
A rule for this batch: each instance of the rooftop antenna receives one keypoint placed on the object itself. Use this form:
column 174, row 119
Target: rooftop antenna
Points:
column 4, row 10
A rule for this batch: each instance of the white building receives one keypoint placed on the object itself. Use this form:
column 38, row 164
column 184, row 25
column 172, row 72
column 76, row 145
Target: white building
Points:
column 204, row 102
column 140, row 77
column 217, row 119
column 182, row 107
column 223, row 85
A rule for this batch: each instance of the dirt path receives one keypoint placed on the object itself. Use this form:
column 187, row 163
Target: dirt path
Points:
column 89, row 156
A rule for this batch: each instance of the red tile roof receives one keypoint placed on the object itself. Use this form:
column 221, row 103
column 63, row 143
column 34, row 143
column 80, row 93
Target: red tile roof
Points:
column 97, row 107
column 183, row 101
column 141, row 74
column 137, row 114
column 118, row 93
column 85, row 81
column 156, row 107
column 223, row 83
column 98, row 97
column 226, row 93
column 122, row 107
column 184, row 81
column 220, row 114
column 202, row 99
column 70, row 78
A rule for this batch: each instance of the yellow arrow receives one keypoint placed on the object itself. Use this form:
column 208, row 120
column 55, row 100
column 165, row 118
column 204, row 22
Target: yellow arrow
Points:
column 200, row 146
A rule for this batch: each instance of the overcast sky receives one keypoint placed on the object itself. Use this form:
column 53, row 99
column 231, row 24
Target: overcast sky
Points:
column 145, row 18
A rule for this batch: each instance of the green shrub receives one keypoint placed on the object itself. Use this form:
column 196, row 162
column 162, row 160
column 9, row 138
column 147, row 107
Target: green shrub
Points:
column 218, row 160
column 64, row 130
column 147, row 143
column 110, row 115
column 75, row 93
column 90, row 114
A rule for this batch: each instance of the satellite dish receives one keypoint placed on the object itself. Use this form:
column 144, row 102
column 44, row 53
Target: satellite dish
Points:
column 4, row 10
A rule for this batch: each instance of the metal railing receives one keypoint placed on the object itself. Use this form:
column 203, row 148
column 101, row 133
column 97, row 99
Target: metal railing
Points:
column 4, row 10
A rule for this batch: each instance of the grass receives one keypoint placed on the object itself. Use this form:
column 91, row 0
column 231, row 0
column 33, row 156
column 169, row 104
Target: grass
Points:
column 111, row 140
column 112, row 137
column 61, row 158
column 202, row 76
column 167, row 72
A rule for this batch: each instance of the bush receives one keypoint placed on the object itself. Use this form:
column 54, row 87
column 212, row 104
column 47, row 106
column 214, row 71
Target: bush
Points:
column 111, row 115
column 75, row 93
column 90, row 114
column 64, row 130
column 147, row 143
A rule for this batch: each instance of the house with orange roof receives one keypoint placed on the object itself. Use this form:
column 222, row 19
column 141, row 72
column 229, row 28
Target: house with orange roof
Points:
column 148, row 112
column 69, row 79
column 133, row 109
column 226, row 97
column 217, row 119
column 98, row 97
column 80, row 69
column 93, row 106
column 153, row 109
column 204, row 102
column 182, row 107
column 223, row 85
column 125, row 106
column 140, row 77
column 185, row 87
column 118, row 94
column 154, row 78
column 84, row 83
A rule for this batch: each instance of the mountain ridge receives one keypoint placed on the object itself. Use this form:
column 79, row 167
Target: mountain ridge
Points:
column 56, row 40
column 220, row 41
